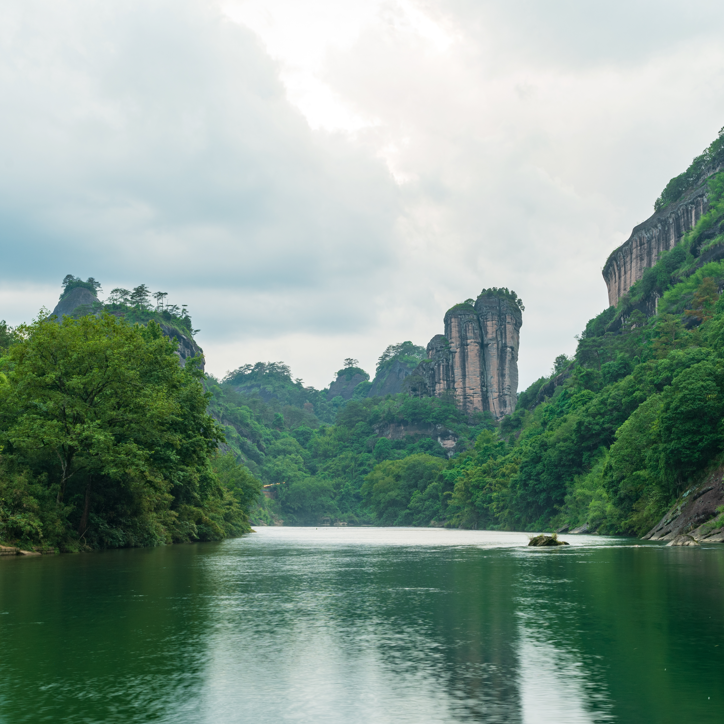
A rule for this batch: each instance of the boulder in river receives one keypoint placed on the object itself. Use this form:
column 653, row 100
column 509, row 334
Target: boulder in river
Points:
column 545, row 541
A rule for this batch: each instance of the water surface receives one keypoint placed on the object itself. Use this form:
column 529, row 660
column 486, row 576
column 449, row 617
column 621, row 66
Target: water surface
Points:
column 358, row 625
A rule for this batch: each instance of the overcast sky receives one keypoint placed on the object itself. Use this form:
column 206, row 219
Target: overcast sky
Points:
column 318, row 179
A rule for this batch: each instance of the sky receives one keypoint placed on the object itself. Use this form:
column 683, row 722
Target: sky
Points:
column 320, row 179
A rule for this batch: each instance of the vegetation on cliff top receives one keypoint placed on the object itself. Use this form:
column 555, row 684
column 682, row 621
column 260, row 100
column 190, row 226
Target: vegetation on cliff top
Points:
column 706, row 162
column 135, row 305
column 503, row 293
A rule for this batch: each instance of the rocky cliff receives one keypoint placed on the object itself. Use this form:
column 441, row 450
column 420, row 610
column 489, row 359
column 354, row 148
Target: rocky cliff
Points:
column 683, row 202
column 77, row 302
column 391, row 379
column 346, row 383
column 697, row 514
column 649, row 240
column 476, row 360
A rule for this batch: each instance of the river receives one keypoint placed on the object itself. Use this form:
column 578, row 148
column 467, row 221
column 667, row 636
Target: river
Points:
column 366, row 625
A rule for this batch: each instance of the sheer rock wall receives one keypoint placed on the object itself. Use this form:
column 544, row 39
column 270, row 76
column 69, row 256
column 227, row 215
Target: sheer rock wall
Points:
column 659, row 233
column 476, row 360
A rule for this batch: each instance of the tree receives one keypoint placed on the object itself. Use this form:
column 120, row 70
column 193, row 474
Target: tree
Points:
column 349, row 362
column 139, row 296
column 669, row 334
column 70, row 282
column 100, row 415
column 119, row 296
column 704, row 300
column 160, row 297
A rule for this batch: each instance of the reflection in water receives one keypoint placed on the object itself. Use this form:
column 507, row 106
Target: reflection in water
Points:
column 559, row 683
column 365, row 626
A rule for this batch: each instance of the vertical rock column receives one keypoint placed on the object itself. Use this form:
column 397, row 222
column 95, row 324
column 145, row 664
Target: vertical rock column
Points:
column 436, row 372
column 500, row 322
column 462, row 329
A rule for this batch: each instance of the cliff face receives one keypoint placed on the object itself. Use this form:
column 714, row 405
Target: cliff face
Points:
column 660, row 233
column 476, row 360
column 389, row 381
column 345, row 384
column 78, row 301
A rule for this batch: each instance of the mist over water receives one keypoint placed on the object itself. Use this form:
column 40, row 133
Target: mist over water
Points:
column 360, row 625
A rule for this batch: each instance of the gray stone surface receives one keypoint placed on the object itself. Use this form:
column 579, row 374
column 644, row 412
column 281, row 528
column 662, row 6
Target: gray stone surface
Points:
column 650, row 239
column 695, row 513
column 77, row 301
column 344, row 386
column 476, row 360
column 390, row 380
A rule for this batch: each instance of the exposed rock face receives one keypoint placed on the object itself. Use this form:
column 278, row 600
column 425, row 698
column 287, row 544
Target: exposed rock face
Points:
column 187, row 346
column 345, row 384
column 660, row 233
column 476, row 360
column 77, row 301
column 447, row 438
column 389, row 381
column 694, row 516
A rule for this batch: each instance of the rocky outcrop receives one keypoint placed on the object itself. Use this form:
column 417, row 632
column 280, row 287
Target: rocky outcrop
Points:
column 546, row 541
column 476, row 360
column 390, row 379
column 695, row 515
column 445, row 437
column 187, row 346
column 346, row 382
column 80, row 301
column 77, row 302
column 650, row 239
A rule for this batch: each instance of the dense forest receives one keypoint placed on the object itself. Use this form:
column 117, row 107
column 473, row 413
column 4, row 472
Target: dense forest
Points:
column 105, row 441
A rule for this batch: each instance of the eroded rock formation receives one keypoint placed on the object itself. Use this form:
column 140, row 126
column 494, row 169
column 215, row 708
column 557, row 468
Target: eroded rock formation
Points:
column 660, row 233
column 695, row 515
column 476, row 360
column 346, row 383
column 391, row 380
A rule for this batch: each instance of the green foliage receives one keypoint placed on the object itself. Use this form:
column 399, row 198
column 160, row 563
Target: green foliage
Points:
column 349, row 372
column 406, row 352
column 503, row 293
column 7, row 336
column 272, row 382
column 408, row 491
column 70, row 282
column 105, row 440
column 712, row 157
column 466, row 306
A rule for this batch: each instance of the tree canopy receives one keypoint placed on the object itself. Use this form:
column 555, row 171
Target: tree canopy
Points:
column 105, row 440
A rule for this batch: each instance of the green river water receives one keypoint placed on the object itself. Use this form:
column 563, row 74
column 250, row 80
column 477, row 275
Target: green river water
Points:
column 358, row 625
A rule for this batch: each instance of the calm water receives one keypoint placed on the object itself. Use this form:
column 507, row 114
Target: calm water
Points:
column 366, row 625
